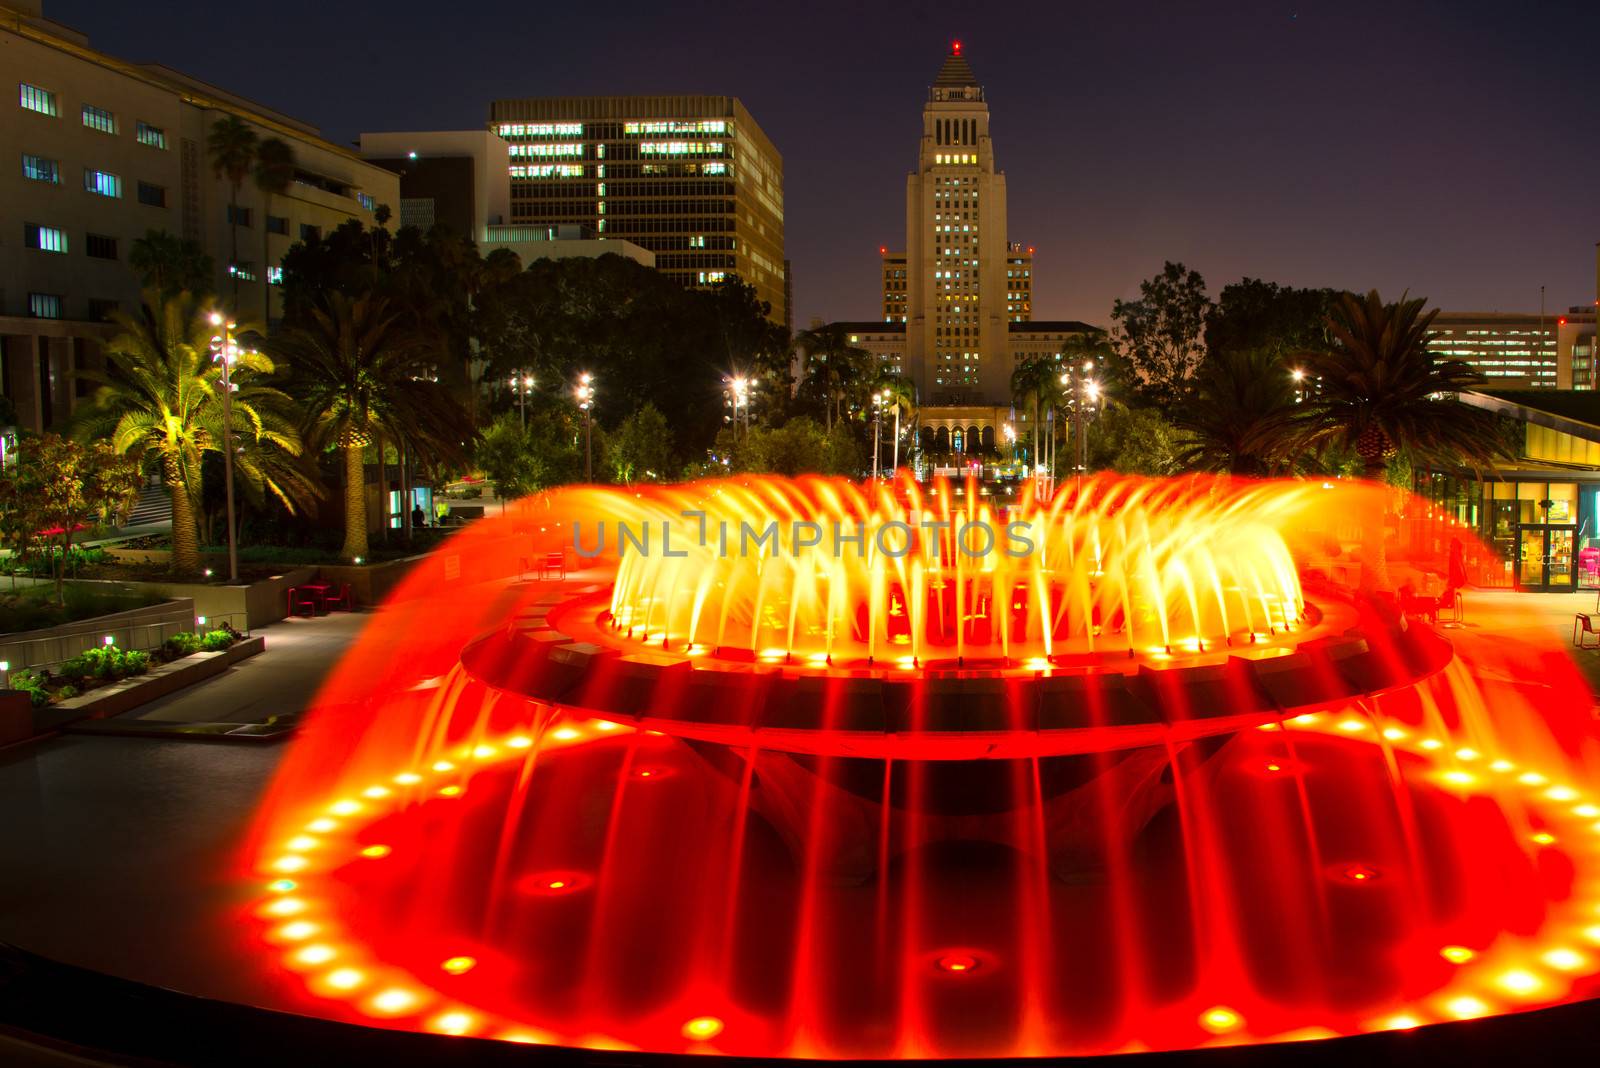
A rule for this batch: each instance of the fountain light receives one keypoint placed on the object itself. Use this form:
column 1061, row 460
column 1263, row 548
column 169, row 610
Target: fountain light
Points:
column 459, row 965
column 702, row 1027
column 1220, row 1020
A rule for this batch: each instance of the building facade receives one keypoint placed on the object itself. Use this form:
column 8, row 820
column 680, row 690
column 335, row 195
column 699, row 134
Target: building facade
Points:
column 692, row 179
column 1513, row 350
column 105, row 151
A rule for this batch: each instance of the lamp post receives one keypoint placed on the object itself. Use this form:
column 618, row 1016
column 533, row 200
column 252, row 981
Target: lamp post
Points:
column 1083, row 393
column 225, row 350
column 737, row 397
column 895, row 469
column 520, row 384
column 584, row 391
column 1299, row 377
column 878, row 400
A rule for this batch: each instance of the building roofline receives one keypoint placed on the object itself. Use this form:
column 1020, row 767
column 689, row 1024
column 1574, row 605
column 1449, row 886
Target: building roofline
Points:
column 188, row 89
column 1515, row 408
column 1050, row 326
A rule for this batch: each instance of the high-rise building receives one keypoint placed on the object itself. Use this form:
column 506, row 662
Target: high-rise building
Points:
column 104, row 151
column 693, row 179
column 960, row 295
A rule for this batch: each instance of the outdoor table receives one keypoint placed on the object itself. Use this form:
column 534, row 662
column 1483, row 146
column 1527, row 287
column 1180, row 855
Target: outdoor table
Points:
column 319, row 593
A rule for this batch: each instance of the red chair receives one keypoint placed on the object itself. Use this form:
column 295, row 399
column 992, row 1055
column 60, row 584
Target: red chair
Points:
column 299, row 599
column 344, row 599
column 553, row 563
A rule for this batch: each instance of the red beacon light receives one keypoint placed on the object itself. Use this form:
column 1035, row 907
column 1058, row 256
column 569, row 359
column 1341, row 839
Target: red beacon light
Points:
column 955, row 48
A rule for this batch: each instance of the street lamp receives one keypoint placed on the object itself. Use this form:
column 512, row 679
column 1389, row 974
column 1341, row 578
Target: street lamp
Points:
column 521, row 384
column 1299, row 376
column 225, row 350
column 879, row 399
column 737, row 397
column 584, row 391
column 1083, row 395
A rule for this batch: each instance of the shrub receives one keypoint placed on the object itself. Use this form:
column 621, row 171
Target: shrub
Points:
column 218, row 640
column 79, row 667
column 32, row 683
column 181, row 644
column 135, row 662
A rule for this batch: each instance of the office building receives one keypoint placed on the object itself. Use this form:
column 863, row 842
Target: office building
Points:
column 1513, row 350
column 693, row 179
column 105, row 151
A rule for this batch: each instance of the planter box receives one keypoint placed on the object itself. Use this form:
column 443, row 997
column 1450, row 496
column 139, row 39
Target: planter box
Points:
column 137, row 628
column 16, row 716
column 243, row 607
column 128, row 694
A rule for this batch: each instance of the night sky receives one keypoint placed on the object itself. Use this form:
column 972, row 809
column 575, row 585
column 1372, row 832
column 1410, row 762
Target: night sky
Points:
column 1450, row 149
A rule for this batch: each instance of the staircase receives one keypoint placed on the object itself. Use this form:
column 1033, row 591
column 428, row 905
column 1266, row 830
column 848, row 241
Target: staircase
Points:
column 154, row 506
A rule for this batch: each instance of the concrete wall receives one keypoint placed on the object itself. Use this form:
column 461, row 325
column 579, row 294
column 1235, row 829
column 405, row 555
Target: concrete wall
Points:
column 137, row 628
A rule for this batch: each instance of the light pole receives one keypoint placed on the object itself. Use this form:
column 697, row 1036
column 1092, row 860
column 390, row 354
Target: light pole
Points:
column 521, row 383
column 225, row 350
column 737, row 397
column 1083, row 392
column 895, row 470
column 585, row 394
column 1299, row 377
column 878, row 400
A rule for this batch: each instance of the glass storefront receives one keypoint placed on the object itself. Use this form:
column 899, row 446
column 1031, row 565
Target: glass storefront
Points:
column 1541, row 532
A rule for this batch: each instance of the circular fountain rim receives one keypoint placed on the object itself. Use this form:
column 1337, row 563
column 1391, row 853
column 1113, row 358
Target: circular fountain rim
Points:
column 942, row 710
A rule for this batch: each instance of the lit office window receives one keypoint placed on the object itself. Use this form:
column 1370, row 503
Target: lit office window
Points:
column 154, row 136
column 99, row 119
column 44, row 305
column 102, row 183
column 35, row 99
column 40, row 169
column 44, row 238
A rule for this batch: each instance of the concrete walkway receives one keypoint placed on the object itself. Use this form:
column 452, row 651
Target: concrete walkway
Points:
column 1541, row 619
column 299, row 655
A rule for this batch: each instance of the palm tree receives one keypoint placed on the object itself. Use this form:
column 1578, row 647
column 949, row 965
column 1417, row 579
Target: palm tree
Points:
column 161, row 401
column 361, row 374
column 170, row 264
column 1243, row 418
column 1379, row 389
column 1036, row 382
column 232, row 146
column 274, row 173
column 835, row 369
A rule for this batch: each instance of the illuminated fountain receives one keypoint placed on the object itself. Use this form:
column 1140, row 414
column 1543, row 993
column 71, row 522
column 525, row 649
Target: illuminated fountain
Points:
column 1119, row 771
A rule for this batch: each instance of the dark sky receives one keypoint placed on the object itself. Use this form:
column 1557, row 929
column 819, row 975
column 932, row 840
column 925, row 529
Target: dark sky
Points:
column 1450, row 148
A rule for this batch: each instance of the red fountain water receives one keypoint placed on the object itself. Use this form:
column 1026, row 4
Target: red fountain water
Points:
column 1137, row 775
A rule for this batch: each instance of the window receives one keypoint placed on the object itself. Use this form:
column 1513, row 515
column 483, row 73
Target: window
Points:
column 102, row 183
column 154, row 136
column 367, row 201
column 44, row 238
column 275, row 276
column 100, row 309
column 238, row 216
column 99, row 119
column 309, row 232
column 40, row 169
column 153, row 195
column 100, row 246
column 41, row 100
column 44, row 305
column 277, row 224
column 245, row 272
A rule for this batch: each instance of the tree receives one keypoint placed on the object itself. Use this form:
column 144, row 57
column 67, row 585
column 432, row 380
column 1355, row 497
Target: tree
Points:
column 1243, row 417
column 1380, row 389
column 160, row 402
column 274, row 173
column 641, row 447
column 1036, row 383
column 169, row 264
column 900, row 395
column 520, row 459
column 1252, row 315
column 232, row 147
column 835, row 370
column 1135, row 441
column 359, row 373
column 54, row 485
column 1160, row 333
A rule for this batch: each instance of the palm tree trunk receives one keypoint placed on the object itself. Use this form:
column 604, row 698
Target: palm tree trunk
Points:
column 185, row 536
column 355, row 503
